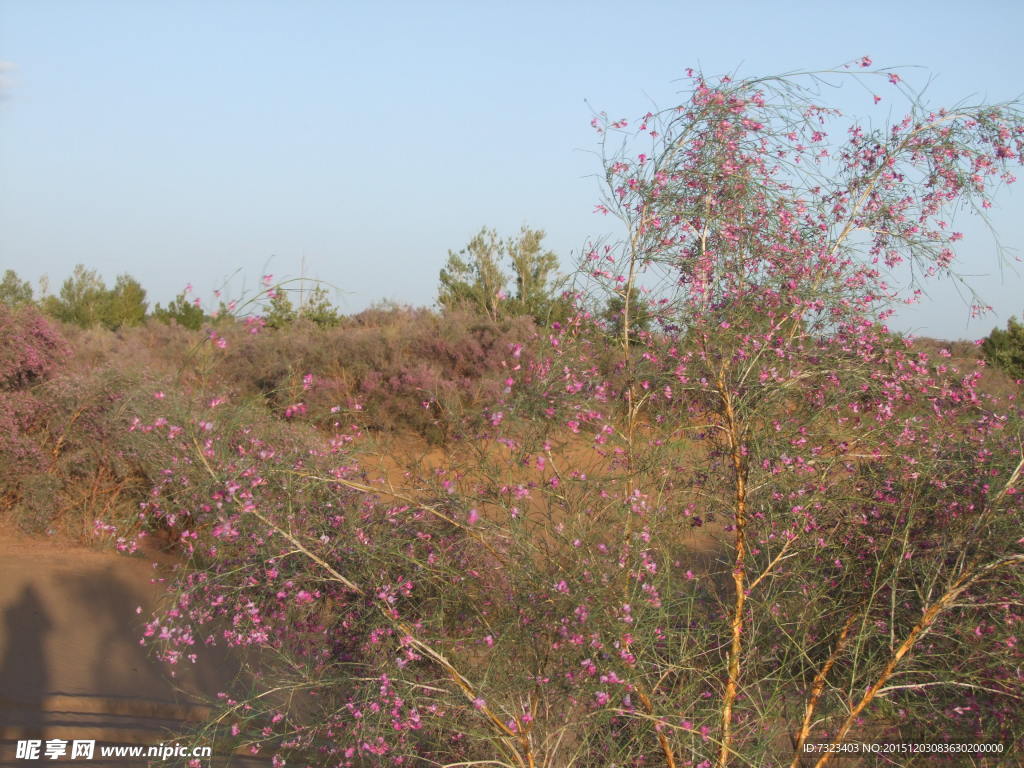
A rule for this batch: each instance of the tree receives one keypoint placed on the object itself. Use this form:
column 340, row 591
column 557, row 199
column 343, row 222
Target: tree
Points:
column 124, row 304
column 86, row 301
column 82, row 299
column 316, row 307
column 639, row 321
column 185, row 313
column 281, row 312
column 535, row 273
column 473, row 278
column 13, row 290
column 1005, row 349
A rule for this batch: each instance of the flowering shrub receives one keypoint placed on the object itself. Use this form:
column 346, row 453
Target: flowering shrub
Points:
column 32, row 350
column 69, row 397
column 64, row 446
column 825, row 444
column 761, row 522
column 389, row 361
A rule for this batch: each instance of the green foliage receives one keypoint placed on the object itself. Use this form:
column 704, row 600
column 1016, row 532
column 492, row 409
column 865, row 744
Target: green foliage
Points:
column 85, row 300
column 13, row 290
column 282, row 312
column 473, row 278
column 1005, row 349
column 314, row 306
column 185, row 313
column 317, row 308
column 125, row 304
column 81, row 299
column 535, row 273
column 640, row 316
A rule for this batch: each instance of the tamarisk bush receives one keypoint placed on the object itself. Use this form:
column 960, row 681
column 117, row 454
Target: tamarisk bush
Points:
column 32, row 351
column 758, row 524
column 869, row 498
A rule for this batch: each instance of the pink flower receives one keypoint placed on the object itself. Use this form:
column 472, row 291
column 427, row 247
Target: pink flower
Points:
column 255, row 324
column 298, row 409
column 473, row 517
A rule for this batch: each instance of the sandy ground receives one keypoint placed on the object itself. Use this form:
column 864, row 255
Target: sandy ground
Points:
column 71, row 665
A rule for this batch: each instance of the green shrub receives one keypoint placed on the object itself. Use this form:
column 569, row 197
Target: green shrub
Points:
column 1005, row 349
column 14, row 290
column 185, row 313
column 85, row 300
column 473, row 279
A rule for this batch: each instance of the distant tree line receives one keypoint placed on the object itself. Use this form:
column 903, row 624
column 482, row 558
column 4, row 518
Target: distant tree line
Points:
column 84, row 299
column 493, row 277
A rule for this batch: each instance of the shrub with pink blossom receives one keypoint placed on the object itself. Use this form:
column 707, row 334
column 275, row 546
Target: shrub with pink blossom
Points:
column 389, row 361
column 32, row 350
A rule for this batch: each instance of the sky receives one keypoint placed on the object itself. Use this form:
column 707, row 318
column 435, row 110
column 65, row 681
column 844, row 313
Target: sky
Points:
column 213, row 142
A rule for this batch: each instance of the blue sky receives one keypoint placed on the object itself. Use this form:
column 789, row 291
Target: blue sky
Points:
column 184, row 141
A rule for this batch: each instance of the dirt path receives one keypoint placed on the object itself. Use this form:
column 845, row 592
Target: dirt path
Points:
column 70, row 661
